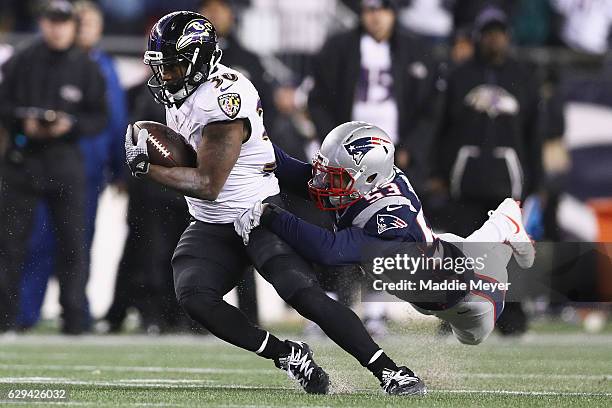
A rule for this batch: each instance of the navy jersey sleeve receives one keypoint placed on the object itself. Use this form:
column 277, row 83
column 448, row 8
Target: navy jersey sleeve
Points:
column 317, row 244
column 292, row 174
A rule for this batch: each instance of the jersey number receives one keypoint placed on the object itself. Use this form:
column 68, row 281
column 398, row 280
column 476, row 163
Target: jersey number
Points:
column 219, row 80
column 388, row 190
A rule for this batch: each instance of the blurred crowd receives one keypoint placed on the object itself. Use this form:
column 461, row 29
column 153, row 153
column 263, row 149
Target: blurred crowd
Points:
column 474, row 115
column 579, row 24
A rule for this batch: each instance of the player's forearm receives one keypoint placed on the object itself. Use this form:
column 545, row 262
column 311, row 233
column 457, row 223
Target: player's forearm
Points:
column 314, row 243
column 186, row 180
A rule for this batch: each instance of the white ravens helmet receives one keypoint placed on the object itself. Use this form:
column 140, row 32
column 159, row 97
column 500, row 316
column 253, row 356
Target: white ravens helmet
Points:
column 355, row 158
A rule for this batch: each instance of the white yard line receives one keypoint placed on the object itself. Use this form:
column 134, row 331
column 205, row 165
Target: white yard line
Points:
column 43, row 353
column 593, row 377
column 114, row 384
column 132, row 383
column 526, row 393
column 195, row 370
column 166, row 383
column 138, row 381
column 138, row 369
column 94, row 404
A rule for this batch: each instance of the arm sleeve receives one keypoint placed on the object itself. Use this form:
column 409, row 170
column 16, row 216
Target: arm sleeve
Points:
column 314, row 243
column 292, row 173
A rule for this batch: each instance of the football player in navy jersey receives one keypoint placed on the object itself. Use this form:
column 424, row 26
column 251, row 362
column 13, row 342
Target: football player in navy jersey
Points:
column 377, row 212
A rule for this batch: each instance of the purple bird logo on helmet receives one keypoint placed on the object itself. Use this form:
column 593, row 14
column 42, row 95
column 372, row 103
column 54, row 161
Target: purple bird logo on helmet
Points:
column 197, row 30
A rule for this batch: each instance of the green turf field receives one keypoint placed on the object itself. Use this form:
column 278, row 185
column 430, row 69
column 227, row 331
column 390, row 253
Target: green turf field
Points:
column 541, row 370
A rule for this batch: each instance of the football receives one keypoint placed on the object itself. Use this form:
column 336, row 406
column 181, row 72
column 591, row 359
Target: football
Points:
column 166, row 147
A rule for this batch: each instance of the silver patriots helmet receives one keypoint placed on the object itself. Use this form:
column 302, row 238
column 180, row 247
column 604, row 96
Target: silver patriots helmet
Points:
column 355, row 158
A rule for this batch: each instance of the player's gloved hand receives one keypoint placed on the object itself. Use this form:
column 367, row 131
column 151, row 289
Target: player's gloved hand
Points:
column 136, row 156
column 248, row 220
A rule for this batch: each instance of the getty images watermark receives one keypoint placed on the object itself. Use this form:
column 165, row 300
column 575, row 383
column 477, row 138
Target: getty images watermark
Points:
column 426, row 270
column 563, row 272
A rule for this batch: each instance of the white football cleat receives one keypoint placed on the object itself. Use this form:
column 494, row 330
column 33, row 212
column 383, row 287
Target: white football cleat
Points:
column 522, row 246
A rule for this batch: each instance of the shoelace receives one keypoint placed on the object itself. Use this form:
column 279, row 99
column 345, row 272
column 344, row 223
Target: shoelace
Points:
column 302, row 363
column 398, row 376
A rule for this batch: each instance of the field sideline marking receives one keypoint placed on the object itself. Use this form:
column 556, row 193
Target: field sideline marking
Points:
column 529, row 393
column 141, row 369
column 138, row 404
column 196, row 370
column 94, row 403
column 139, row 381
column 136, row 383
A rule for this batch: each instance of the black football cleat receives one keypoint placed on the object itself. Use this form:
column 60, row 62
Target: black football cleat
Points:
column 300, row 366
column 402, row 382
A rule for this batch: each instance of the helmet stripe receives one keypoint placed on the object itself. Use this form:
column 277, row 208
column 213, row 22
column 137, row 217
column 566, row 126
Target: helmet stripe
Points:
column 160, row 27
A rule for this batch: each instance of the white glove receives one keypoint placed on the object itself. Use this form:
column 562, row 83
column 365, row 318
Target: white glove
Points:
column 248, row 220
column 137, row 156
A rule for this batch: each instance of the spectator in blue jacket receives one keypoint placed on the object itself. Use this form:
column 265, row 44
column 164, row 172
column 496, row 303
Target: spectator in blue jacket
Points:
column 104, row 162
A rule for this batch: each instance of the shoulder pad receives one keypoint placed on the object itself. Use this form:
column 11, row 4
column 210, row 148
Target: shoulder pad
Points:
column 228, row 95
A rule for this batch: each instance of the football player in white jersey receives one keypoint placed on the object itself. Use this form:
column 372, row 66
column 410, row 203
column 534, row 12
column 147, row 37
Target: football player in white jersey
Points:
column 218, row 111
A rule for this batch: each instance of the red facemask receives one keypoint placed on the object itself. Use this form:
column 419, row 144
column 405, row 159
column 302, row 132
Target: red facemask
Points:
column 331, row 188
